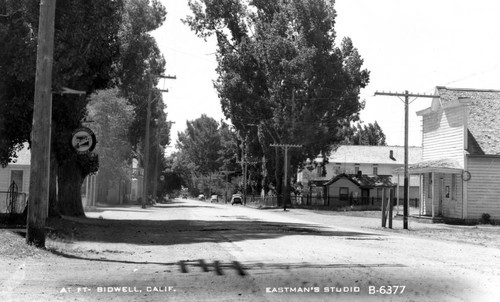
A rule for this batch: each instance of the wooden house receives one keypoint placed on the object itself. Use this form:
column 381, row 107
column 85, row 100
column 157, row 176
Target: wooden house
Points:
column 372, row 161
column 18, row 171
column 461, row 155
column 357, row 189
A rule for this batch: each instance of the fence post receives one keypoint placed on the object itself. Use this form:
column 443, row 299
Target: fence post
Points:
column 383, row 209
column 391, row 204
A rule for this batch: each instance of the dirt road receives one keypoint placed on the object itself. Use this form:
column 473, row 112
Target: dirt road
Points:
column 196, row 251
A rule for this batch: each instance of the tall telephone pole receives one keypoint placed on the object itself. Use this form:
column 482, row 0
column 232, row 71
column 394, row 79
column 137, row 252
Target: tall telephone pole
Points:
column 40, row 133
column 406, row 101
column 157, row 158
column 285, row 177
column 146, row 147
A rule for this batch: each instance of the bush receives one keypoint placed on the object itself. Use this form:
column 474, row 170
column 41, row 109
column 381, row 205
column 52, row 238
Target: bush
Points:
column 485, row 218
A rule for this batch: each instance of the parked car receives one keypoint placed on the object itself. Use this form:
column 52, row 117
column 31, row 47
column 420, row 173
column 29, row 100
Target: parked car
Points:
column 236, row 198
column 184, row 195
column 201, row 197
column 214, row 198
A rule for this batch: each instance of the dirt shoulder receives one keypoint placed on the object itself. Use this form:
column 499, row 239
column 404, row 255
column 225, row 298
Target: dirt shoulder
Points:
column 483, row 235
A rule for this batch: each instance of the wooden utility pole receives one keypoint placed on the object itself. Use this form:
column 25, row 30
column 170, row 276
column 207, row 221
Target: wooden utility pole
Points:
column 145, row 186
column 285, row 177
column 157, row 158
column 40, row 133
column 406, row 101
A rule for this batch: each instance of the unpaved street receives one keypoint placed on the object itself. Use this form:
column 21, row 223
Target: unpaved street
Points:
column 197, row 251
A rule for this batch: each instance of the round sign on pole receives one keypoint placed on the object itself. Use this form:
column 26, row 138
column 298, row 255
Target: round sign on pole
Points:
column 83, row 140
column 162, row 178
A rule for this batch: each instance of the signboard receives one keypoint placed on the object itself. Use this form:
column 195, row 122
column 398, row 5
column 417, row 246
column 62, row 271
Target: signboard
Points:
column 83, row 140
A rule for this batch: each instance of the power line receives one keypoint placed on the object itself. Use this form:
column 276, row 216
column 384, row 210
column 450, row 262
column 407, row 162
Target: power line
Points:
column 407, row 96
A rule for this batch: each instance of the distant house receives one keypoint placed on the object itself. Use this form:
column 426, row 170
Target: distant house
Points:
column 357, row 189
column 461, row 154
column 370, row 161
column 17, row 172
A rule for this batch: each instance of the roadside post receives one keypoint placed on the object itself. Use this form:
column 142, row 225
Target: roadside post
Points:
column 383, row 208
column 390, row 203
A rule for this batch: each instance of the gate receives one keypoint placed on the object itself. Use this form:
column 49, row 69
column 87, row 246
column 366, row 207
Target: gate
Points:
column 11, row 199
column 12, row 209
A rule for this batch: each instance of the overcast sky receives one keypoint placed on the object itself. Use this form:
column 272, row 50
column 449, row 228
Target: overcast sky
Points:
column 411, row 45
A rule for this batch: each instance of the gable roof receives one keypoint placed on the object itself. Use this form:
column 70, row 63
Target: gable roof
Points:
column 364, row 181
column 483, row 120
column 361, row 154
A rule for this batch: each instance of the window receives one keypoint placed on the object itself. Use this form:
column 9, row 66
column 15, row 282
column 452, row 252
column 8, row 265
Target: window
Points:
column 17, row 177
column 356, row 169
column 447, row 192
column 375, row 170
column 344, row 193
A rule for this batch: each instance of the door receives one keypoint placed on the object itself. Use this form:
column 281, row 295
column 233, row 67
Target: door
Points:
column 365, row 196
column 16, row 176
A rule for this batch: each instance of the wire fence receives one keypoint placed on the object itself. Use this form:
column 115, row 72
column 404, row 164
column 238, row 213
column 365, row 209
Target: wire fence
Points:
column 9, row 205
column 326, row 202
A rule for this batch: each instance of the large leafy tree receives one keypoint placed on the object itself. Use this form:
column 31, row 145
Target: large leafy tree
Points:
column 140, row 63
column 201, row 142
column 281, row 71
column 92, row 51
column 17, row 77
column 110, row 117
column 85, row 49
column 205, row 149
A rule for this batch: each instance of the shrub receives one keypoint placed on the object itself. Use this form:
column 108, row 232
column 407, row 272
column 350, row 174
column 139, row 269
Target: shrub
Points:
column 486, row 218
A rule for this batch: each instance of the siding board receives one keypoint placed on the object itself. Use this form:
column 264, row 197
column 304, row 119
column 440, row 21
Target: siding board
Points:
column 443, row 135
column 484, row 187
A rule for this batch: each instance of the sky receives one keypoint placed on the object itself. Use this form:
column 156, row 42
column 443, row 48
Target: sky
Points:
column 412, row 45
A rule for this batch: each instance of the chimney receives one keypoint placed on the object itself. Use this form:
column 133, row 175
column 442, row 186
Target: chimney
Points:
column 391, row 155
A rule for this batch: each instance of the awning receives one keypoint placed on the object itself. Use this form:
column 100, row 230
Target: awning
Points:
column 445, row 165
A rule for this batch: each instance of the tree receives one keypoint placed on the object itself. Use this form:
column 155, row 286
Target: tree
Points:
column 281, row 72
column 370, row 134
column 205, row 148
column 95, row 42
column 201, row 142
column 17, row 78
column 110, row 117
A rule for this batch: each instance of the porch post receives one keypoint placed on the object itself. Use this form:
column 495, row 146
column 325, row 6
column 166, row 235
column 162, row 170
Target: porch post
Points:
column 397, row 197
column 433, row 193
column 421, row 191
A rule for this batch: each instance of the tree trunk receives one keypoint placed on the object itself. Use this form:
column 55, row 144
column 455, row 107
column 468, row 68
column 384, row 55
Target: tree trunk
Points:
column 70, row 181
column 286, row 183
column 278, row 175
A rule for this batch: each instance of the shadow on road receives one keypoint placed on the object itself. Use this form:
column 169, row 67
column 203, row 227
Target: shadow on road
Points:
column 221, row 268
column 170, row 232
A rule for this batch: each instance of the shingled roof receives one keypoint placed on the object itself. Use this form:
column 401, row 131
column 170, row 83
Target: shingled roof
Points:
column 363, row 154
column 364, row 181
column 484, row 118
